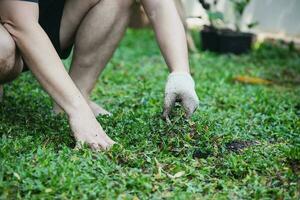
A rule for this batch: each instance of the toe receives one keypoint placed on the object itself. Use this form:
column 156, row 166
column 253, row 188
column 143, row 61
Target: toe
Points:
column 98, row 110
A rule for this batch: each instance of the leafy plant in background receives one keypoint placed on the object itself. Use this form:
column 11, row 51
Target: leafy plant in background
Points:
column 215, row 17
column 217, row 37
column 239, row 8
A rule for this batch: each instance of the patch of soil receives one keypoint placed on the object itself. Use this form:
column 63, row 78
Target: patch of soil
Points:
column 297, row 109
column 238, row 146
column 198, row 153
column 295, row 166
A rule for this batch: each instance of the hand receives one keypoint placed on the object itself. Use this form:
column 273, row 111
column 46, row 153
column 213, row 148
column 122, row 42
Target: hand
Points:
column 180, row 87
column 86, row 129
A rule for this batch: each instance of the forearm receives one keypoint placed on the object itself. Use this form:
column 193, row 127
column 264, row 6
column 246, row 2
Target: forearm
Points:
column 45, row 64
column 170, row 33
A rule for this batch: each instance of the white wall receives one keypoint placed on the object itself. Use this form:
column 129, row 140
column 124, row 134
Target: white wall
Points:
column 274, row 16
column 193, row 8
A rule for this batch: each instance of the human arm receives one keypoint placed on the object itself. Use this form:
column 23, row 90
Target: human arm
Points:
column 171, row 37
column 21, row 20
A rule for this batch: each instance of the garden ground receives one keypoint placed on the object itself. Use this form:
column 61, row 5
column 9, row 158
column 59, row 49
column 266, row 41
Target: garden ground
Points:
column 243, row 142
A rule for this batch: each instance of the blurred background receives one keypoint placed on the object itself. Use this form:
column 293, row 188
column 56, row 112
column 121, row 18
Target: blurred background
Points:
column 266, row 20
column 275, row 18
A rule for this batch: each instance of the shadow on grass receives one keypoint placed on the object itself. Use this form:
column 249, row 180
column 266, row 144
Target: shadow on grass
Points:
column 31, row 117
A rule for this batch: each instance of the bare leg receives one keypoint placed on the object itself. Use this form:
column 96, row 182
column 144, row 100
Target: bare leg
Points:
column 95, row 42
column 182, row 14
column 11, row 63
column 48, row 69
column 171, row 37
column 169, row 28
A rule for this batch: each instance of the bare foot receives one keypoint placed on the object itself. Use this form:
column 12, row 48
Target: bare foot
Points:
column 97, row 110
column 86, row 129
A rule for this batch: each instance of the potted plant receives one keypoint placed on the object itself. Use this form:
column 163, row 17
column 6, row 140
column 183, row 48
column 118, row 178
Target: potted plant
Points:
column 209, row 34
column 225, row 40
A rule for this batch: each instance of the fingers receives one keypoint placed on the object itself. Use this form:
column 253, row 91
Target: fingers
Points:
column 190, row 103
column 93, row 146
column 170, row 99
column 180, row 85
column 104, row 137
column 96, row 145
column 110, row 142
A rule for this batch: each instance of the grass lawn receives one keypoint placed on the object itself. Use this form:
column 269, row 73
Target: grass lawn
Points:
column 243, row 142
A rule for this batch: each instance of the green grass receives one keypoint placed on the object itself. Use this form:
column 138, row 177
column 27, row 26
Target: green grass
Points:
column 200, row 158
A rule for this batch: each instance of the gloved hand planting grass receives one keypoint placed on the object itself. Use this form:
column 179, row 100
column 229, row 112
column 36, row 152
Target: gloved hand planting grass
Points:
column 170, row 34
column 180, row 87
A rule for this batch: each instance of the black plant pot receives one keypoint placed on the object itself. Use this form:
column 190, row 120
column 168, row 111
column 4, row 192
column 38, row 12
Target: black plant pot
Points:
column 210, row 40
column 235, row 42
column 226, row 41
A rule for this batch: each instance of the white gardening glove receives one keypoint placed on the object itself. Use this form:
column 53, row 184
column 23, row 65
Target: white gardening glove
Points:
column 180, row 87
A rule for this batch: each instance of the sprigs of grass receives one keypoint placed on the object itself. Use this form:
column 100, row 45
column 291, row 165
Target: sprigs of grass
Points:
column 242, row 143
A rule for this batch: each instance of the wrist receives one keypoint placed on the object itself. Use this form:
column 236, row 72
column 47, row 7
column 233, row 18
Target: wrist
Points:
column 184, row 70
column 179, row 73
column 183, row 76
column 77, row 108
column 180, row 80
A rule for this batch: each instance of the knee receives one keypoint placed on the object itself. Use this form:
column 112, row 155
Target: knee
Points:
column 125, row 5
column 7, row 54
column 92, row 3
column 8, row 69
column 123, row 8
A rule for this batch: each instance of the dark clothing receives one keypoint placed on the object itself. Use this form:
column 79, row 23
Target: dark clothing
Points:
column 36, row 1
column 51, row 12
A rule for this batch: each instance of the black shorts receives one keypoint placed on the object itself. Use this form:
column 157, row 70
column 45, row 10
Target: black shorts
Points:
column 51, row 12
